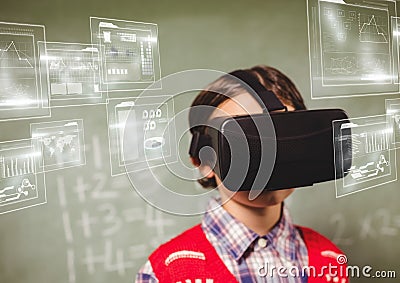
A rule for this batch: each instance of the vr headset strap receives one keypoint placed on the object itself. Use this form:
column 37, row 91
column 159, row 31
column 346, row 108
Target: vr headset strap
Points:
column 198, row 141
column 270, row 101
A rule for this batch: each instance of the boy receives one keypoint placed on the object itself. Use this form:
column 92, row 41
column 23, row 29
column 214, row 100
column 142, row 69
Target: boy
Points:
column 241, row 240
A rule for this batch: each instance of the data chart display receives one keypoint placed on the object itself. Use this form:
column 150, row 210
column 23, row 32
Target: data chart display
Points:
column 128, row 52
column 141, row 133
column 21, row 95
column 22, row 184
column 73, row 73
column 352, row 49
column 373, row 155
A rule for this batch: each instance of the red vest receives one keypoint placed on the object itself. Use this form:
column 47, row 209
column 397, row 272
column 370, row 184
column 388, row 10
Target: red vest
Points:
column 190, row 258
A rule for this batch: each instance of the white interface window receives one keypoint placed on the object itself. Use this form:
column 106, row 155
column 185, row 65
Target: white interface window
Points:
column 61, row 144
column 372, row 161
column 129, row 53
column 393, row 112
column 73, row 76
column 20, row 92
column 352, row 49
column 141, row 134
column 21, row 185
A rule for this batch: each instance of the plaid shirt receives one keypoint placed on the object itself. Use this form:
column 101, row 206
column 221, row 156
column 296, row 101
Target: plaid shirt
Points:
column 244, row 252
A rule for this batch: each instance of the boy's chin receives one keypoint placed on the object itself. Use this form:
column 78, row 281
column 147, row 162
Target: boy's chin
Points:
column 267, row 198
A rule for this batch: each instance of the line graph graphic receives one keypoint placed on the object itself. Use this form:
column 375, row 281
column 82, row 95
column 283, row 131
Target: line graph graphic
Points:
column 13, row 57
column 21, row 94
column 352, row 52
column 57, row 64
column 370, row 31
column 17, row 72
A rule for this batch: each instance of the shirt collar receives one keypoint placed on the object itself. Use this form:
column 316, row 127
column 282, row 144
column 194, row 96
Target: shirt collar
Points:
column 236, row 238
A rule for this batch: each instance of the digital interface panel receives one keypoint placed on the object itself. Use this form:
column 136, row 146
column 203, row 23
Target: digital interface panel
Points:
column 73, row 73
column 61, row 144
column 20, row 94
column 21, row 183
column 352, row 49
column 145, row 125
column 393, row 112
column 129, row 54
column 373, row 159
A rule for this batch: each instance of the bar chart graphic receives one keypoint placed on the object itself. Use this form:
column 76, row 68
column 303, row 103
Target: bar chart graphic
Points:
column 16, row 166
column 376, row 141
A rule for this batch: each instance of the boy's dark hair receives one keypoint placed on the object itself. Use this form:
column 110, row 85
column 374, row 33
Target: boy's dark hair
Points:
column 225, row 88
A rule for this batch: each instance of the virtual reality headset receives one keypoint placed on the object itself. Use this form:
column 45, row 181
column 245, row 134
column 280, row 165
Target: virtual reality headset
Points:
column 274, row 150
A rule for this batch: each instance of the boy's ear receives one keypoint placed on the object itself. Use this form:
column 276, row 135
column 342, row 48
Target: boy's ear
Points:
column 205, row 170
column 195, row 161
